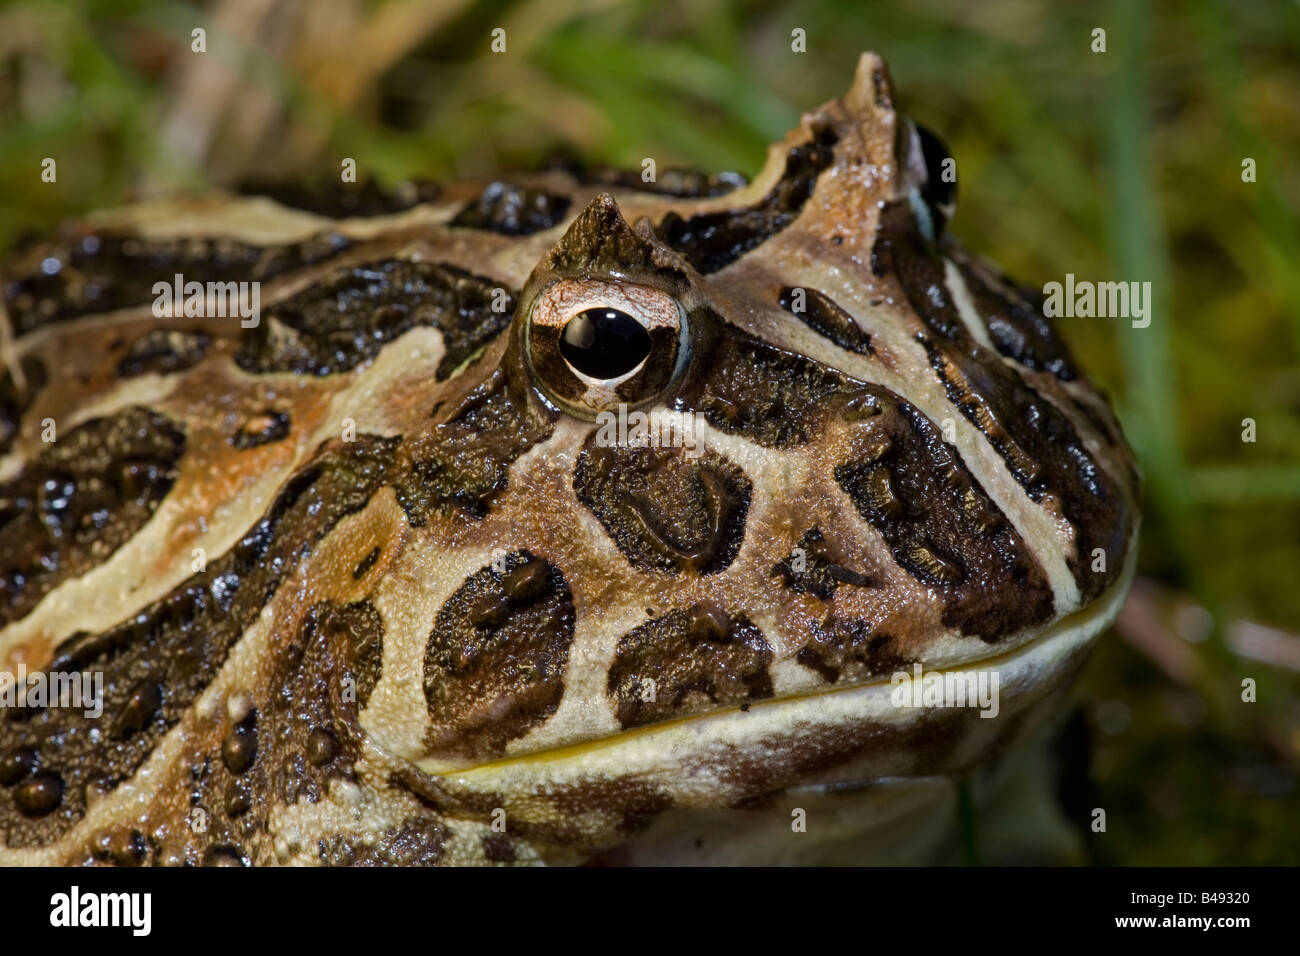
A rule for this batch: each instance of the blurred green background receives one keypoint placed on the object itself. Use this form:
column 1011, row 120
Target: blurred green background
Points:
column 1117, row 165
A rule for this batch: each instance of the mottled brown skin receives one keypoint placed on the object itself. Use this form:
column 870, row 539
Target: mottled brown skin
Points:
column 365, row 586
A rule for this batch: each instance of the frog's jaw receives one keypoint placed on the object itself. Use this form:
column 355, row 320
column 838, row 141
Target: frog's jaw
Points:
column 579, row 797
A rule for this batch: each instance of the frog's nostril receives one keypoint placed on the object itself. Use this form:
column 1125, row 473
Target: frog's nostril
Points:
column 604, row 343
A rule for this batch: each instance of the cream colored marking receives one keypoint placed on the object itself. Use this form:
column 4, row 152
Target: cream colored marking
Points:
column 598, row 621
column 256, row 219
column 345, row 810
column 780, row 477
column 130, row 579
column 775, row 486
column 430, row 571
column 414, row 356
column 421, row 580
column 961, row 298
column 8, row 354
column 148, row 390
column 565, row 299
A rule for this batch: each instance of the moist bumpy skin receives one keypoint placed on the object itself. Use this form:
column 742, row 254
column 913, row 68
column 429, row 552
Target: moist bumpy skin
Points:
column 373, row 582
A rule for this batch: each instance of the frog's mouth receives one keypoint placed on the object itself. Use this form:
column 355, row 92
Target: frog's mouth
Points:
column 862, row 732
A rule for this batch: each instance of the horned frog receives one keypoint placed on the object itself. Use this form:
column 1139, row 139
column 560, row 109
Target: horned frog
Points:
column 566, row 517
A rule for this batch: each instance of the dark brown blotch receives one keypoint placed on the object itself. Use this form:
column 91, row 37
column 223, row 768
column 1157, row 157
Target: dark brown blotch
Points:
column 496, row 658
column 818, row 568
column 461, row 464
column 181, row 641
column 322, row 747
column 225, row 855
column 713, row 240
column 824, row 316
column 120, row 847
column 686, row 662
column 498, row 848
column 80, row 500
column 140, row 709
column 357, row 631
column 17, row 764
column 1035, row 438
column 365, row 564
column 84, row 272
column 760, row 392
column 1045, row 454
column 164, row 351
column 339, row 200
column 902, row 252
column 345, row 318
column 850, row 650
column 269, row 425
column 1016, row 322
column 665, row 510
column 513, row 210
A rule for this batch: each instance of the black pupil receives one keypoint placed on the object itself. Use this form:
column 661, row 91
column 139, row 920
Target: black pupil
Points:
column 604, row 343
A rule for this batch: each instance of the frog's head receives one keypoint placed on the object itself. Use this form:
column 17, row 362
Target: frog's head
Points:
column 799, row 442
column 662, row 541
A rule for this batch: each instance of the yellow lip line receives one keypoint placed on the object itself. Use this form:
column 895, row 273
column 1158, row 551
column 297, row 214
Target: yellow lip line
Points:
column 1105, row 606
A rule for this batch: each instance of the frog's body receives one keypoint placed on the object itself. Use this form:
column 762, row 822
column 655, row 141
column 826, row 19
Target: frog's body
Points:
column 367, row 582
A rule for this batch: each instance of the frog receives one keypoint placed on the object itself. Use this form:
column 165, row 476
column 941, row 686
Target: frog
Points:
column 574, row 516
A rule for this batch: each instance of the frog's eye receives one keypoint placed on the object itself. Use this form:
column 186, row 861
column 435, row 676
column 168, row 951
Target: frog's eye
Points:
column 940, row 189
column 933, row 173
column 593, row 345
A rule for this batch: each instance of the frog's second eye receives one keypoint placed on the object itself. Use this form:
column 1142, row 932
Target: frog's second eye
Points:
column 930, row 178
column 604, row 343
column 940, row 189
column 595, row 344
column 932, row 174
